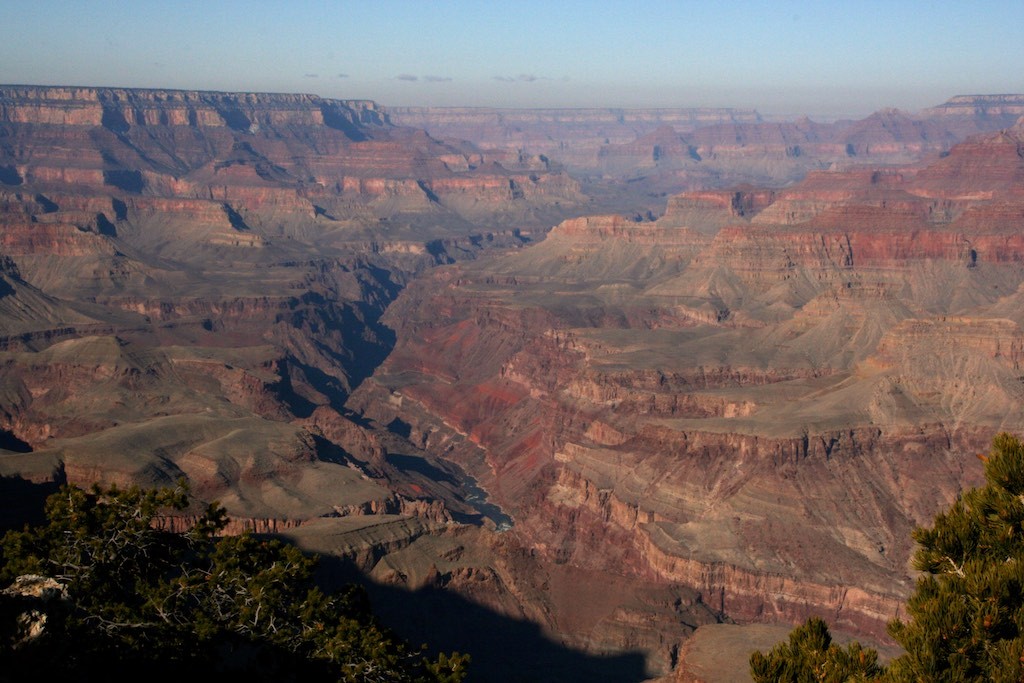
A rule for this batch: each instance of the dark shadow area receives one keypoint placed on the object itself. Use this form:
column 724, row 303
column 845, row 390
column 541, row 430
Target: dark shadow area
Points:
column 284, row 389
column 326, row 384
column 321, row 211
column 368, row 351
column 9, row 176
column 382, row 276
column 430, row 193
column 503, row 649
column 438, row 250
column 336, row 119
column 5, row 287
column 400, row 427
column 235, row 119
column 357, row 418
column 523, row 239
column 114, row 121
column 120, row 210
column 23, row 502
column 365, row 341
column 9, row 442
column 236, row 220
column 47, row 205
column 411, row 463
column 104, row 226
column 328, row 451
column 129, row 181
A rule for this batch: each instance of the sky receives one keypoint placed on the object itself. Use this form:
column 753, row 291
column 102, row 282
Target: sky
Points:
column 781, row 57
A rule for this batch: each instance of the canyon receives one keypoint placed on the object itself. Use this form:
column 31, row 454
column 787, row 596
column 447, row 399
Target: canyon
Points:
column 564, row 387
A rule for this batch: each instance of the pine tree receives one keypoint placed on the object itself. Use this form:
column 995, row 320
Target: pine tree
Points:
column 810, row 656
column 137, row 600
column 966, row 616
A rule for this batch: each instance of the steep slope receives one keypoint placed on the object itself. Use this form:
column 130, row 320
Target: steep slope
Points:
column 630, row 159
column 627, row 431
column 192, row 284
column 216, row 264
column 758, row 395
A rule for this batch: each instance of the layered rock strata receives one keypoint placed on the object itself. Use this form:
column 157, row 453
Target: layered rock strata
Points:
column 725, row 412
column 192, row 283
column 758, row 395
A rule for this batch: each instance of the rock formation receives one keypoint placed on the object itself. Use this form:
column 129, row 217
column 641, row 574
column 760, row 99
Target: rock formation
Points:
column 214, row 265
column 763, row 411
column 627, row 157
column 730, row 403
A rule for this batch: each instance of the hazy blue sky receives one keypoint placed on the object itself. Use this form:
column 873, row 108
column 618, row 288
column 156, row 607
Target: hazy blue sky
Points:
column 779, row 56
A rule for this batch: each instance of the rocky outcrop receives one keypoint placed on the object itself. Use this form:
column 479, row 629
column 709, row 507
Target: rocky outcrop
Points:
column 1006, row 107
column 119, row 108
column 246, row 166
column 572, row 136
column 814, row 369
column 28, row 602
column 635, row 427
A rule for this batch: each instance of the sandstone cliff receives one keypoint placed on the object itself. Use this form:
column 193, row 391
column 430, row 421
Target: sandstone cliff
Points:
column 626, row 431
column 215, row 264
column 758, row 395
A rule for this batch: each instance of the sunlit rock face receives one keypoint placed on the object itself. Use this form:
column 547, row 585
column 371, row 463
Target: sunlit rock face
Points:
column 632, row 154
column 615, row 430
column 759, row 394
column 187, row 276
column 192, row 285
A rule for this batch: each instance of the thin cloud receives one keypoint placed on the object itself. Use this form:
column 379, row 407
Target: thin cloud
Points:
column 407, row 77
column 437, row 79
column 521, row 78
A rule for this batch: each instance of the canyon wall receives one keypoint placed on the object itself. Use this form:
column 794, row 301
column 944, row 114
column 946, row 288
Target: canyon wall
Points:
column 732, row 403
column 759, row 395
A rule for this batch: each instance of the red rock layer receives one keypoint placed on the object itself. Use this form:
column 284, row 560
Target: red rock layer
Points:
column 803, row 387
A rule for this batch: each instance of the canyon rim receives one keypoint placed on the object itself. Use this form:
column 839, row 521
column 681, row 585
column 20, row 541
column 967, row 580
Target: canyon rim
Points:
column 564, row 387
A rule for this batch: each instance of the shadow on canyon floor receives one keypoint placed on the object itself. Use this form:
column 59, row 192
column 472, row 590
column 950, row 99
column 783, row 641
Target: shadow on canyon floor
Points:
column 21, row 502
column 503, row 649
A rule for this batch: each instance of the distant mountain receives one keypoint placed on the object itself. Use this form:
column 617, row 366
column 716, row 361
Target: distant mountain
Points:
column 665, row 151
column 759, row 394
column 672, row 408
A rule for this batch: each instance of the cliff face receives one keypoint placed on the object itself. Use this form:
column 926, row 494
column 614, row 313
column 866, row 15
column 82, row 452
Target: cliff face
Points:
column 758, row 395
column 120, row 108
column 250, row 166
column 1007, row 108
column 666, row 151
column 631, row 429
column 216, row 264
column 572, row 136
